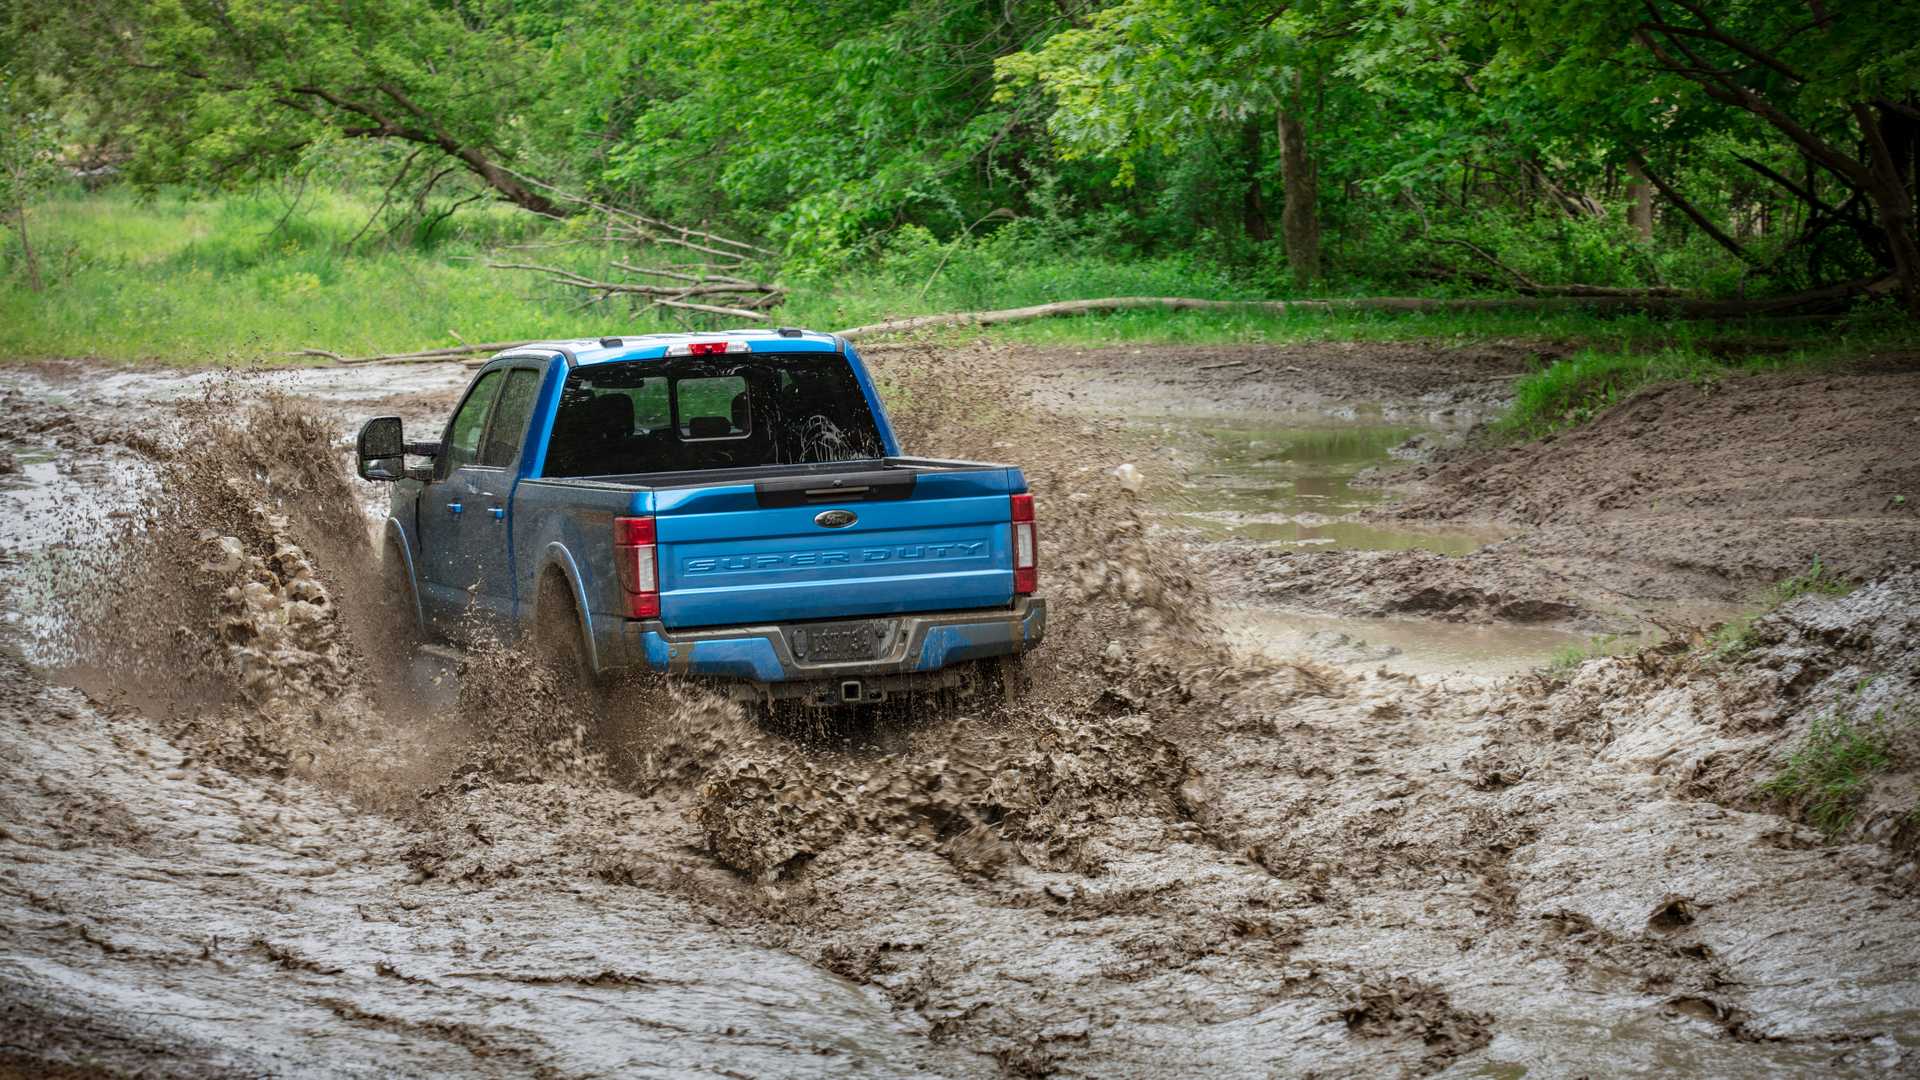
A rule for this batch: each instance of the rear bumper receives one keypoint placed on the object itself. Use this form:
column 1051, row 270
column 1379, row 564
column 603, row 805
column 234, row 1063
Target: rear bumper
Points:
column 904, row 644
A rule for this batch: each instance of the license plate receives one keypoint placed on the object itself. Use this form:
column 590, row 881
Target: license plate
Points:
column 850, row 641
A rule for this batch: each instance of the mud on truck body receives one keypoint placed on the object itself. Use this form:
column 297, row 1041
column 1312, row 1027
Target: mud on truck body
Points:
column 732, row 506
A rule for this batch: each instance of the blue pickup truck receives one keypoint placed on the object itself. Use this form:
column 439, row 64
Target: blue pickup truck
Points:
column 730, row 505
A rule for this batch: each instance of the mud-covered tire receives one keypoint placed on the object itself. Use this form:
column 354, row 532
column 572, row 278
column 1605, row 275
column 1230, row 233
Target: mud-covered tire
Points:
column 559, row 637
column 399, row 609
column 998, row 685
column 1010, row 680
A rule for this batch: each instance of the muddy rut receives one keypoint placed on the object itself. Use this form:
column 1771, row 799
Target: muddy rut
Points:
column 242, row 835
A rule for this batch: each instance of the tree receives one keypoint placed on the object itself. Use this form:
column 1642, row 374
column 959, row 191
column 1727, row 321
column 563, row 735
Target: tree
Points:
column 27, row 146
column 1836, row 80
column 1143, row 75
column 229, row 91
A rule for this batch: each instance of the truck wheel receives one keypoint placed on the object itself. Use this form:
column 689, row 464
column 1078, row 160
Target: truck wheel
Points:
column 400, row 612
column 1010, row 679
column 558, row 637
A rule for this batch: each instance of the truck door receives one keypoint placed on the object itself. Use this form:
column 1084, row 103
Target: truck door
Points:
column 453, row 509
column 495, row 474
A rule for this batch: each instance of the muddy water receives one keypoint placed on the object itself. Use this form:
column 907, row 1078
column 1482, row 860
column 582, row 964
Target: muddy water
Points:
column 1288, row 480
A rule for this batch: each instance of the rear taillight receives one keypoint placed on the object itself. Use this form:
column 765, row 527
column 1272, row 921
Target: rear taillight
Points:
column 634, row 557
column 1026, row 547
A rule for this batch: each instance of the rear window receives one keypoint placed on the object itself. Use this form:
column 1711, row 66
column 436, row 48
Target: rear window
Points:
column 710, row 412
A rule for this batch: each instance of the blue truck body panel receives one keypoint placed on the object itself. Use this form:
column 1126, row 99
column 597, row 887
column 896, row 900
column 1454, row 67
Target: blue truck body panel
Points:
column 742, row 577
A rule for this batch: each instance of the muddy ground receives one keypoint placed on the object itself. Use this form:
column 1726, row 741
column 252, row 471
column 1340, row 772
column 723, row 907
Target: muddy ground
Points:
column 241, row 836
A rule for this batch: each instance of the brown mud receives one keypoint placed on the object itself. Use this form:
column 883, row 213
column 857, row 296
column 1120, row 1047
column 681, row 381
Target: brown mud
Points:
column 248, row 843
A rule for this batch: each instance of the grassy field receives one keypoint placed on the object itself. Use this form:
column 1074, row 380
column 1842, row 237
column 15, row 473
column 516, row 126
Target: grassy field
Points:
column 250, row 278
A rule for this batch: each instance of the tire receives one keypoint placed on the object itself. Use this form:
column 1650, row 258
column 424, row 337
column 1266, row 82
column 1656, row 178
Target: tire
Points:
column 559, row 638
column 399, row 607
column 1009, row 678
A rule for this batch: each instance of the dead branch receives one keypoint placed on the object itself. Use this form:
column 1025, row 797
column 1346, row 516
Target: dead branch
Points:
column 1530, row 287
column 653, row 229
column 1692, row 212
column 1830, row 298
column 736, row 297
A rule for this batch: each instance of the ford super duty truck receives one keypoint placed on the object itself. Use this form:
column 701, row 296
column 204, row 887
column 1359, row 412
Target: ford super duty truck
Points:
column 730, row 505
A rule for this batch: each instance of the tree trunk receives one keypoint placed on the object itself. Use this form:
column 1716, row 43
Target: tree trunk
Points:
column 1300, row 217
column 1893, row 205
column 1640, row 204
column 26, row 248
column 1254, row 211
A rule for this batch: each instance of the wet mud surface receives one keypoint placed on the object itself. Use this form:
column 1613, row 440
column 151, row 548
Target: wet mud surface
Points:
column 237, row 837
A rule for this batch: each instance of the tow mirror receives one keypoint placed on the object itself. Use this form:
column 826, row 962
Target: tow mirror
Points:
column 382, row 449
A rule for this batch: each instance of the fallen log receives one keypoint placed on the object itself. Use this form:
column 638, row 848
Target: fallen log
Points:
column 421, row 356
column 1830, row 298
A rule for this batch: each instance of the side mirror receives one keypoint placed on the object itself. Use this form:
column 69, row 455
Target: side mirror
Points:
column 382, row 449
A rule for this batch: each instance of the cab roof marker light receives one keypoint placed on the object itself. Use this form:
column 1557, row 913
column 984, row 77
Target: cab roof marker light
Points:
column 707, row 348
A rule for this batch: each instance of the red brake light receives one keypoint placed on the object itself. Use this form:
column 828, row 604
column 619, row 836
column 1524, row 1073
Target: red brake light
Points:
column 706, row 348
column 635, row 558
column 1026, row 546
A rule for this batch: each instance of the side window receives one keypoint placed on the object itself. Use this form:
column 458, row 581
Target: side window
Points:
column 463, row 435
column 510, row 419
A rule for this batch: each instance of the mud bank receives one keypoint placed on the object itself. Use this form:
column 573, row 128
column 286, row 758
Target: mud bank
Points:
column 1179, row 855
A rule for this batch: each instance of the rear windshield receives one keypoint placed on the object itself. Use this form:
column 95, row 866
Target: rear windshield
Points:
column 710, row 412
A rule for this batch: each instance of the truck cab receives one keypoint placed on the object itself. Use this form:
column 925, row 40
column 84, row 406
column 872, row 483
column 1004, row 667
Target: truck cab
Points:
column 731, row 506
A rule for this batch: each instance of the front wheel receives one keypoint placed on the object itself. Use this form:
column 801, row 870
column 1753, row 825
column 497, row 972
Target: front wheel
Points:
column 399, row 609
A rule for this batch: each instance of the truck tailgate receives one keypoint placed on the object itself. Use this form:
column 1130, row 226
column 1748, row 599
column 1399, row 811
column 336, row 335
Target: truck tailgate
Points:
column 738, row 554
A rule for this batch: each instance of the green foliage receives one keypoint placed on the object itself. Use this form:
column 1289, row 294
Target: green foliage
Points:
column 1563, row 662
column 1829, row 772
column 241, row 277
column 1817, row 580
column 1574, row 390
column 1735, row 637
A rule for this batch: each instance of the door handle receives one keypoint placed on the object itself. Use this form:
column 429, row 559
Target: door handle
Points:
column 499, row 512
column 454, row 508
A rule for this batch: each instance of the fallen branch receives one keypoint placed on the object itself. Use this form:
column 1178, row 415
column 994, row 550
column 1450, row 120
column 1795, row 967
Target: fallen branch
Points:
column 742, row 295
column 422, row 356
column 1830, row 298
column 1527, row 285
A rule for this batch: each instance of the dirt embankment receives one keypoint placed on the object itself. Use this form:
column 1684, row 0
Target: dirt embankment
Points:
column 1708, row 492
column 1173, row 858
column 1683, row 498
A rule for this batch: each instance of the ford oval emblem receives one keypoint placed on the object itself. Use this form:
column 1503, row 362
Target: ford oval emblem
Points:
column 835, row 519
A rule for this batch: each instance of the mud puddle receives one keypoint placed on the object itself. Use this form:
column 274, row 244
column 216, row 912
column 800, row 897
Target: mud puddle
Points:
column 1287, row 480
column 1411, row 646
column 1271, row 484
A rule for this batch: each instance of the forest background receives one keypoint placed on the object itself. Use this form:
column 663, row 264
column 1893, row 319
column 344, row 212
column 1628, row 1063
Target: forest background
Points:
column 206, row 179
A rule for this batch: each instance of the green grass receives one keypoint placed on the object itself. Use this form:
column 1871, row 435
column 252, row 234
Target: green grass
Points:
column 1817, row 581
column 1573, row 391
column 186, row 279
column 1563, row 662
column 1832, row 768
column 1736, row 637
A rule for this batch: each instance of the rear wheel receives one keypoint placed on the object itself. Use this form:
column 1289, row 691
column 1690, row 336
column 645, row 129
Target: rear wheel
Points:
column 559, row 637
